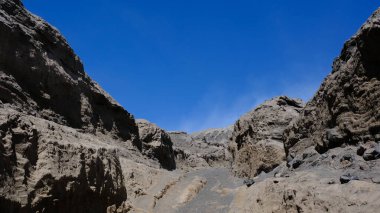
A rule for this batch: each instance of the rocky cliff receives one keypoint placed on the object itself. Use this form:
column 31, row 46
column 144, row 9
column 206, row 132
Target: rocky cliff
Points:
column 257, row 142
column 332, row 148
column 66, row 145
column 345, row 110
column 40, row 75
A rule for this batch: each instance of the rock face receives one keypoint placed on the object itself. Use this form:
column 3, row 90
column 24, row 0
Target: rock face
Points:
column 345, row 110
column 156, row 143
column 257, row 143
column 41, row 169
column 40, row 75
column 202, row 149
column 65, row 144
column 332, row 147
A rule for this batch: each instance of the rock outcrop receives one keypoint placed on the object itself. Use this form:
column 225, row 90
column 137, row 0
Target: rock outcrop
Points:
column 65, row 144
column 332, row 147
column 345, row 110
column 257, row 142
column 40, row 75
column 202, row 149
column 156, row 143
column 42, row 170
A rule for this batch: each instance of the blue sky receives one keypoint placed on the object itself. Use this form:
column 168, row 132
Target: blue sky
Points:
column 191, row 65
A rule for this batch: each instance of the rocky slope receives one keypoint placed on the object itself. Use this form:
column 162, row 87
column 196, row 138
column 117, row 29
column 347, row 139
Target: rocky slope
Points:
column 332, row 147
column 257, row 142
column 41, row 169
column 40, row 75
column 66, row 145
column 345, row 110
column 202, row 149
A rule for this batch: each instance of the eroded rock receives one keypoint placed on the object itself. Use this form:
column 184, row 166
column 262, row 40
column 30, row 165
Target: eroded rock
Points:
column 156, row 143
column 202, row 149
column 257, row 143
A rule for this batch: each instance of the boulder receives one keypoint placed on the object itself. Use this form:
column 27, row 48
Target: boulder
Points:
column 156, row 143
column 256, row 143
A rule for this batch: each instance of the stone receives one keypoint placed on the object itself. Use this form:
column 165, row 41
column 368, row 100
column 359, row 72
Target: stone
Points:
column 256, row 144
column 376, row 180
column 371, row 154
column 347, row 157
column 339, row 113
column 347, row 178
column 361, row 150
column 209, row 146
column 66, row 144
column 340, row 117
column 156, row 143
column 296, row 163
column 249, row 182
column 41, row 75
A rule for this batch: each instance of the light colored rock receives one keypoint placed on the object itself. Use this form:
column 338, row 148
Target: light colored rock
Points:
column 257, row 144
column 307, row 191
column 156, row 143
column 45, row 166
column 330, row 147
column 202, row 149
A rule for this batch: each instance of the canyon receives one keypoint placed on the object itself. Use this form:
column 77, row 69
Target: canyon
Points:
column 68, row 146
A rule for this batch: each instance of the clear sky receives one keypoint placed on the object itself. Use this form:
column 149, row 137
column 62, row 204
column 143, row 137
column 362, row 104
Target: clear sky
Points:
column 191, row 65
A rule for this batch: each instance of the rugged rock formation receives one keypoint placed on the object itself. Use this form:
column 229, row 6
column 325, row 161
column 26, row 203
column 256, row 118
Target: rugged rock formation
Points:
column 257, row 143
column 40, row 75
column 156, row 143
column 65, row 144
column 333, row 147
column 307, row 191
column 345, row 110
column 41, row 169
column 202, row 149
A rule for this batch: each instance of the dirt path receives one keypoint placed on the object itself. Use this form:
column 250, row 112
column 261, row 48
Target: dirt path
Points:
column 205, row 190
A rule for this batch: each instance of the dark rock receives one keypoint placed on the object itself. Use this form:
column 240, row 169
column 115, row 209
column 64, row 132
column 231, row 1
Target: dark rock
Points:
column 347, row 157
column 249, row 182
column 372, row 154
column 333, row 138
column 361, row 150
column 296, row 163
column 347, row 178
column 331, row 182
